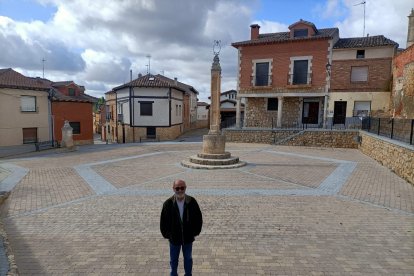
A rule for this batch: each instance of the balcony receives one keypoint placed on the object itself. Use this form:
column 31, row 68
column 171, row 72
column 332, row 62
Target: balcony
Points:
column 299, row 80
column 261, row 80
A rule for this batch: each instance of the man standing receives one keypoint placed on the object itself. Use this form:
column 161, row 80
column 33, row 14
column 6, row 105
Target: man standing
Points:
column 181, row 221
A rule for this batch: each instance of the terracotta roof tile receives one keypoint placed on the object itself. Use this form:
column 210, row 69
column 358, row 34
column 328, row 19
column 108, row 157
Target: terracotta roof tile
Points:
column 12, row 79
column 364, row 42
column 285, row 36
column 157, row 81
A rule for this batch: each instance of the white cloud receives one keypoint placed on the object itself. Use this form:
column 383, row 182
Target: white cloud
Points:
column 98, row 42
column 382, row 17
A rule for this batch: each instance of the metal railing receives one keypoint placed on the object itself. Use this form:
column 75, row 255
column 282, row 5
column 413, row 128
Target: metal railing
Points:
column 295, row 79
column 261, row 80
column 397, row 129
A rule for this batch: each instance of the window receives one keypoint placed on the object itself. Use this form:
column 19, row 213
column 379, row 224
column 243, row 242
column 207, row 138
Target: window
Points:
column 262, row 74
column 146, row 108
column 300, row 33
column 76, row 127
column 272, row 104
column 28, row 104
column 360, row 54
column 359, row 73
column 300, row 72
column 71, row 91
column 362, row 108
column 29, row 135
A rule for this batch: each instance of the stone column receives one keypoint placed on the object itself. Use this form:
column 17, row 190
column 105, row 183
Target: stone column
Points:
column 214, row 142
column 279, row 111
column 215, row 96
column 238, row 112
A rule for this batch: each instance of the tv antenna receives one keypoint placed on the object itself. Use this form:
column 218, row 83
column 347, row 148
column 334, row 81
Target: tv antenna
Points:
column 43, row 66
column 149, row 63
column 362, row 3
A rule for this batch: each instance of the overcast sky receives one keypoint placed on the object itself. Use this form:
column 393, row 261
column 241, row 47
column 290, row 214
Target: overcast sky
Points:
column 96, row 43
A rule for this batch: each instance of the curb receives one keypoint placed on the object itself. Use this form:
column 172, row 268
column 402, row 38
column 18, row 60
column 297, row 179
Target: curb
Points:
column 7, row 259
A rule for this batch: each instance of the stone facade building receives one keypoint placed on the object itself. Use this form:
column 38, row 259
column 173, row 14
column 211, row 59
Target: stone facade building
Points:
column 283, row 76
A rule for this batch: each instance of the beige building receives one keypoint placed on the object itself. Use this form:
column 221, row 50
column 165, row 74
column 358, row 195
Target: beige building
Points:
column 24, row 109
column 360, row 82
column 109, row 126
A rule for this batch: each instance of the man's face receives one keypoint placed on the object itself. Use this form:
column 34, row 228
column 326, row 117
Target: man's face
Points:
column 179, row 189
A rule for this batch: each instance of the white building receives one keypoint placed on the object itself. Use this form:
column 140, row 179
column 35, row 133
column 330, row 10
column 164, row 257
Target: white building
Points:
column 154, row 106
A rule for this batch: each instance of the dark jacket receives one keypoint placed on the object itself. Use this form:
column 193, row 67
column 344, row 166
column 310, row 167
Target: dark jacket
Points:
column 175, row 230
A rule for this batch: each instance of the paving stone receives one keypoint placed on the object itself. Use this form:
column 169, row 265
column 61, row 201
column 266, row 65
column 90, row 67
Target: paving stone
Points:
column 290, row 211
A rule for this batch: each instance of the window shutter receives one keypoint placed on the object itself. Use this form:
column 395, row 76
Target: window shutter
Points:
column 359, row 74
column 28, row 103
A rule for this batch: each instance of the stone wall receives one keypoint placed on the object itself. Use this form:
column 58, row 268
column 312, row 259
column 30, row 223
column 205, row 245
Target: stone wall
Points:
column 169, row 133
column 402, row 98
column 291, row 111
column 297, row 137
column 325, row 138
column 398, row 157
column 257, row 114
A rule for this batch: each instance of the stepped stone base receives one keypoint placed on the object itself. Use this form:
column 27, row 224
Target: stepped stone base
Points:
column 213, row 155
column 191, row 165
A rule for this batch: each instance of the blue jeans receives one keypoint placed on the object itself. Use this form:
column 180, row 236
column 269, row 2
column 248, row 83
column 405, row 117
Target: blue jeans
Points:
column 188, row 259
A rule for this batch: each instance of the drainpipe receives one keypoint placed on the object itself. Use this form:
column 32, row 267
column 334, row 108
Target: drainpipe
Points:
column 51, row 119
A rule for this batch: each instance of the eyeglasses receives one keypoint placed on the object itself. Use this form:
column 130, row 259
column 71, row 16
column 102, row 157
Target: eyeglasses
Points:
column 179, row 188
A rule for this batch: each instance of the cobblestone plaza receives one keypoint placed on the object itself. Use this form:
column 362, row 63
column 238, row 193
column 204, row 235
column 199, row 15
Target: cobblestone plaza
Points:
column 290, row 211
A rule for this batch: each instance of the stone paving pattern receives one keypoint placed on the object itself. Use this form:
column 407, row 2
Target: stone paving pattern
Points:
column 57, row 225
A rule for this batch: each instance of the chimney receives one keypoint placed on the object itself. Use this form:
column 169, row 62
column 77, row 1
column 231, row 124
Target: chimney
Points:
column 139, row 75
column 254, row 31
column 175, row 82
column 410, row 35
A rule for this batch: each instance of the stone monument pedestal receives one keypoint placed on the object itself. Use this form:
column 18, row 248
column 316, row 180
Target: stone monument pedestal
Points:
column 213, row 155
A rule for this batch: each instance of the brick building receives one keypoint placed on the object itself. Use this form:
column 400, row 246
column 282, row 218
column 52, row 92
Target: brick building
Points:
column 361, row 77
column 312, row 76
column 283, row 76
column 69, row 102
